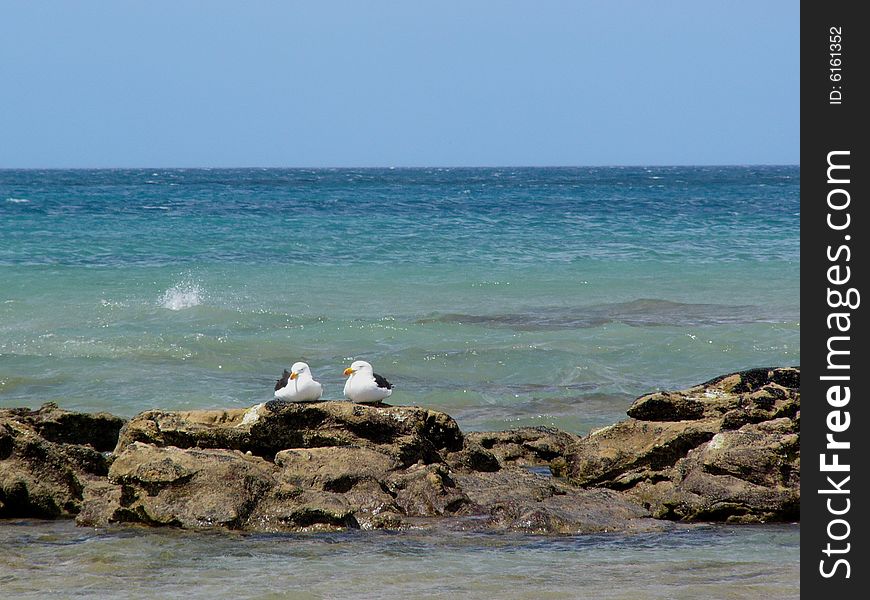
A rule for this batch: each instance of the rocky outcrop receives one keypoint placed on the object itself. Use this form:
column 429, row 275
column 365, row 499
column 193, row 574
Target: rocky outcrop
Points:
column 327, row 465
column 49, row 456
column 728, row 449
column 724, row 450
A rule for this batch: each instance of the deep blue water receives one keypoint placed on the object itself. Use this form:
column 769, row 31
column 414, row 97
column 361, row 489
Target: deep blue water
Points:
column 414, row 216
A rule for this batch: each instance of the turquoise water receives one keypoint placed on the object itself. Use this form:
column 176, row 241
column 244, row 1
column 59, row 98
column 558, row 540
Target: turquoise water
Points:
column 504, row 297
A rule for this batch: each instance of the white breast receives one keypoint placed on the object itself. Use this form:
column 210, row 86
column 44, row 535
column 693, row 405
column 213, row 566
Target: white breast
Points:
column 301, row 389
column 361, row 387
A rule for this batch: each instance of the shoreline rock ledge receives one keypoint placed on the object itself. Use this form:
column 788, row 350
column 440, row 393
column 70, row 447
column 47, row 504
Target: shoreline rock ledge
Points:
column 726, row 450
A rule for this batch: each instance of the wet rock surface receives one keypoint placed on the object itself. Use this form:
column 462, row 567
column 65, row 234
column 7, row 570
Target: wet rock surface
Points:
column 725, row 450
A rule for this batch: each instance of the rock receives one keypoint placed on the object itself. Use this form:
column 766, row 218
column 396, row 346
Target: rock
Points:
column 728, row 450
column 333, row 469
column 359, row 475
column 518, row 500
column 489, row 451
column 48, row 456
column 305, row 489
column 100, row 500
column 748, row 475
column 663, row 406
column 99, row 430
column 295, row 510
column 341, row 475
column 408, row 434
column 746, row 397
column 761, row 454
column 426, row 491
column 189, row 488
column 608, row 454
column 473, row 457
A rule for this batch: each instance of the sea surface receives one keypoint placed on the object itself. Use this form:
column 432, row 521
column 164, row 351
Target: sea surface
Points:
column 59, row 560
column 503, row 296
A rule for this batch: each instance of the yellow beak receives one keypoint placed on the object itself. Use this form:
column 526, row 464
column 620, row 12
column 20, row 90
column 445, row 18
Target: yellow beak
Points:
column 294, row 375
column 349, row 371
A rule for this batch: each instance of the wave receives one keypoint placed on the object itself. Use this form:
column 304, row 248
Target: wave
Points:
column 644, row 312
column 185, row 294
column 18, row 200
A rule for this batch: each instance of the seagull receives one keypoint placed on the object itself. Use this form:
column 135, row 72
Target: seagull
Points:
column 298, row 385
column 364, row 385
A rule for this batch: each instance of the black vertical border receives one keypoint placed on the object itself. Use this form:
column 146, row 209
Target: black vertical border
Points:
column 827, row 126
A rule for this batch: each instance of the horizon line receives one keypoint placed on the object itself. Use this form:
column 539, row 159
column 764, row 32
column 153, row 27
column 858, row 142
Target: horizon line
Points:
column 397, row 167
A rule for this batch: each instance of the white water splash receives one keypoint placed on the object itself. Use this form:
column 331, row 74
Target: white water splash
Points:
column 18, row 200
column 185, row 294
column 112, row 303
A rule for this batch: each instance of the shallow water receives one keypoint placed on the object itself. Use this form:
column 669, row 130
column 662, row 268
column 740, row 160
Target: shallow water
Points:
column 41, row 558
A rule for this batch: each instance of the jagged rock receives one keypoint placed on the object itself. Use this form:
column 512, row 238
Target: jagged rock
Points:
column 305, row 489
column 48, row 456
column 746, row 397
column 368, row 484
column 100, row 500
column 748, row 475
column 728, row 449
column 760, row 454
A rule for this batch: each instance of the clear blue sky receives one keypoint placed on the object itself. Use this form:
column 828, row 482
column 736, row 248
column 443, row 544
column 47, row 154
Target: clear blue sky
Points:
column 407, row 83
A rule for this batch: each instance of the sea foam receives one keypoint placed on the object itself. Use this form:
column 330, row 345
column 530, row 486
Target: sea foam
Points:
column 185, row 294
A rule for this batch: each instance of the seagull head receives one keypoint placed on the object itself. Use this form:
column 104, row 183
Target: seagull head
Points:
column 298, row 369
column 359, row 365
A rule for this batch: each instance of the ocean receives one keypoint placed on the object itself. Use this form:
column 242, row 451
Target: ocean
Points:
column 502, row 296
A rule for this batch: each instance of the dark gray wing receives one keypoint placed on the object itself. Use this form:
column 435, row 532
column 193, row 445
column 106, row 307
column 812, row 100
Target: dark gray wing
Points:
column 283, row 381
column 381, row 382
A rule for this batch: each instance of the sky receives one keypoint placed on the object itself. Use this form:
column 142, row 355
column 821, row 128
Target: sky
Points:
column 323, row 83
